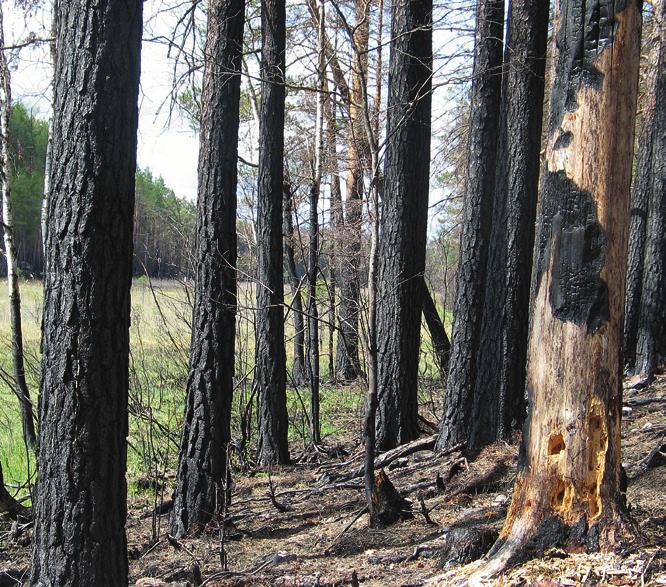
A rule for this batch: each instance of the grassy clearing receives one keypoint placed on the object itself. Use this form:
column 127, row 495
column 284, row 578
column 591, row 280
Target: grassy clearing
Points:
column 160, row 338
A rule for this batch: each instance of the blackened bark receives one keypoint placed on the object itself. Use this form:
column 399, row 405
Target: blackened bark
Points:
column 403, row 223
column 202, row 465
column 567, row 490
column 645, row 321
column 298, row 370
column 313, row 317
column 477, row 220
column 80, row 510
column 440, row 341
column 348, row 364
column 270, row 364
column 498, row 404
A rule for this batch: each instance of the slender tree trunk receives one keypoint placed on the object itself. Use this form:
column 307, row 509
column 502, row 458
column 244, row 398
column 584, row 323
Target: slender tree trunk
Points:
column 270, row 364
column 645, row 323
column 440, row 341
column 348, row 365
column 21, row 389
column 313, row 242
column 80, row 510
column 477, row 219
column 337, row 222
column 498, row 404
column 567, row 491
column 403, row 223
column 371, row 403
column 298, row 370
column 202, row 468
column 44, row 211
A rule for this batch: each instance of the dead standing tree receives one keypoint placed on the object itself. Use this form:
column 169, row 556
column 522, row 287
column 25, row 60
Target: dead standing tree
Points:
column 568, row 484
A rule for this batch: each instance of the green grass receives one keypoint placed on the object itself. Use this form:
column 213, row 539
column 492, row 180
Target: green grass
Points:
column 160, row 338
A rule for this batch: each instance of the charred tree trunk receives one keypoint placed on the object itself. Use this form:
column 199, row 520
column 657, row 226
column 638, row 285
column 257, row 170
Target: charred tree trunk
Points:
column 567, row 491
column 403, row 223
column 313, row 241
column 440, row 341
column 202, row 468
column 270, row 363
column 477, row 219
column 80, row 510
column 21, row 389
column 298, row 370
column 645, row 323
column 498, row 404
column 348, row 365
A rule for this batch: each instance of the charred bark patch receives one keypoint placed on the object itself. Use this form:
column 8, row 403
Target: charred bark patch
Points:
column 563, row 140
column 578, row 244
column 589, row 27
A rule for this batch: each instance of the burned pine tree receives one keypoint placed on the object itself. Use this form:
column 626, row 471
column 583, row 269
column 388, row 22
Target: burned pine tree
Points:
column 270, row 364
column 81, row 500
column 567, row 492
column 202, row 467
column 403, row 223
column 645, row 321
column 498, row 405
column 477, row 222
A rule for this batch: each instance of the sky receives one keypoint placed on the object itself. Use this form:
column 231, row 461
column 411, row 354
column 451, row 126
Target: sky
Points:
column 169, row 147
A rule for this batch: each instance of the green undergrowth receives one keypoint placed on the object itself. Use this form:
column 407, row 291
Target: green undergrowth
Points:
column 160, row 339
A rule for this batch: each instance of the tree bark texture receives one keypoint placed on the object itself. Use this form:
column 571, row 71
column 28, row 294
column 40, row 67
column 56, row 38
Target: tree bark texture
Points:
column 21, row 385
column 80, row 509
column 403, row 223
column 337, row 220
column 477, row 222
column 298, row 372
column 440, row 341
column 567, row 492
column 270, row 364
column 348, row 364
column 202, row 464
column 498, row 406
column 645, row 321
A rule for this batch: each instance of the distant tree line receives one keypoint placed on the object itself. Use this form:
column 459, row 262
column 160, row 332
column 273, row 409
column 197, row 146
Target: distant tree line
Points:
column 163, row 222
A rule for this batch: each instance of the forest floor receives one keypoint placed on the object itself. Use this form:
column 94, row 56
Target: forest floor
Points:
column 312, row 530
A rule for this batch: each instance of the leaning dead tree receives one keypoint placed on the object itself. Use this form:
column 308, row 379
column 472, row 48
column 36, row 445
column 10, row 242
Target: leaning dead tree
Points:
column 202, row 468
column 567, row 492
column 21, row 385
column 645, row 321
